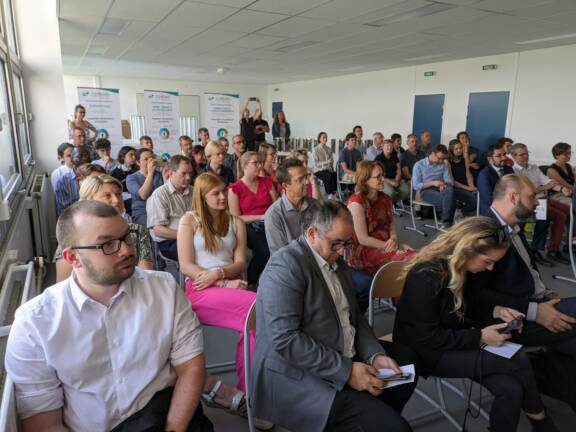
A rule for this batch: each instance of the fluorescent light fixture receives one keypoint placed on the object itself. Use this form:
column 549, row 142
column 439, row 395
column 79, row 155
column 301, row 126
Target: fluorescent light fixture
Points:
column 547, row 39
column 431, row 9
column 98, row 50
column 295, row 46
column 426, row 57
column 113, row 26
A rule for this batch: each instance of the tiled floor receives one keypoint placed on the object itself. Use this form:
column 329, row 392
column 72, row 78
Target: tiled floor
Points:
column 220, row 347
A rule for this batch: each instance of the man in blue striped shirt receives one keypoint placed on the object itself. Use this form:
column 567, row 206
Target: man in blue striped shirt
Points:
column 67, row 188
column 432, row 178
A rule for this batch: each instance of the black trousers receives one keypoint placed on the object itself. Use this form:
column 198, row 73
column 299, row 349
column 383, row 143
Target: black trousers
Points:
column 169, row 249
column 152, row 418
column 511, row 382
column 354, row 411
column 329, row 179
column 256, row 241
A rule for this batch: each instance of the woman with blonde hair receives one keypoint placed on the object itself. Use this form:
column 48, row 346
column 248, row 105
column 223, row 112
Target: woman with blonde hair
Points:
column 79, row 121
column 215, row 154
column 107, row 189
column 249, row 198
column 375, row 241
column 436, row 316
column 212, row 253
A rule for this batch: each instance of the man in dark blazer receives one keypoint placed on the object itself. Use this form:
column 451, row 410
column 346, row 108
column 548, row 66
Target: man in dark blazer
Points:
column 515, row 281
column 490, row 174
column 316, row 358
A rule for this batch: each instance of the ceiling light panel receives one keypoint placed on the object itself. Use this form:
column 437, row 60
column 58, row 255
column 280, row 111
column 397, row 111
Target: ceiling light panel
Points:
column 113, row 26
column 288, row 7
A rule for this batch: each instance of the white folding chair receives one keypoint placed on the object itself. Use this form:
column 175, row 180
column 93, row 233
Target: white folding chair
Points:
column 249, row 325
column 570, row 249
column 419, row 202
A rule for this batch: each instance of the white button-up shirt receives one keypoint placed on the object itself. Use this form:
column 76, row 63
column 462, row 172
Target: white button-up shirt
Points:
column 101, row 364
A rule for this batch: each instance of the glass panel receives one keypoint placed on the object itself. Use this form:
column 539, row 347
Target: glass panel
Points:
column 21, row 120
column 8, row 165
column 10, row 25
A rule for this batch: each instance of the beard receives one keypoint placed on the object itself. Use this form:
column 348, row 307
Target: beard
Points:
column 522, row 212
column 111, row 275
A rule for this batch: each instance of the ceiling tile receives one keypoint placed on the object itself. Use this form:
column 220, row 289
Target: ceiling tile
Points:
column 508, row 5
column 142, row 10
column 294, row 27
column 233, row 3
column 289, row 7
column 81, row 8
column 249, row 21
column 549, row 9
column 256, row 41
column 198, row 15
column 339, row 10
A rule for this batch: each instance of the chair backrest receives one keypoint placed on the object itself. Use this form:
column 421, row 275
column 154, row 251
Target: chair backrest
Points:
column 386, row 283
column 249, row 326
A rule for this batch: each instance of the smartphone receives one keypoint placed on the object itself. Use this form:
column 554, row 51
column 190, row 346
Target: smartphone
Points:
column 398, row 377
column 512, row 326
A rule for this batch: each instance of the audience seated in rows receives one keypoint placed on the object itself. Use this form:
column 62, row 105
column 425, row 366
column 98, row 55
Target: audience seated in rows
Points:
column 108, row 190
column 324, row 164
column 314, row 186
column 434, row 319
column 238, row 149
column 65, row 158
column 316, row 358
column 562, row 172
column 249, row 198
column 515, row 281
column 374, row 241
column 557, row 213
column 431, row 178
column 392, row 183
column 168, row 203
column 412, row 155
column 464, row 189
column 376, row 148
column 142, row 183
column 495, row 168
column 215, row 155
column 127, row 369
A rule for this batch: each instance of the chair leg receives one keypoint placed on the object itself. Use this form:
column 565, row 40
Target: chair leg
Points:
column 463, row 395
column 437, row 408
column 413, row 227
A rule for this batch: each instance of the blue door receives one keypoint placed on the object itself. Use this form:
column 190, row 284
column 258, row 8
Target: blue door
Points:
column 428, row 113
column 486, row 120
column 277, row 107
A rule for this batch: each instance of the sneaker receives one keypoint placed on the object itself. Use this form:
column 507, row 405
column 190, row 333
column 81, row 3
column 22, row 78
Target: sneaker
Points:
column 263, row 425
column 418, row 215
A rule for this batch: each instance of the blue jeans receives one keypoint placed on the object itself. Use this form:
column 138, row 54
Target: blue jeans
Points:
column 362, row 282
column 444, row 200
column 468, row 199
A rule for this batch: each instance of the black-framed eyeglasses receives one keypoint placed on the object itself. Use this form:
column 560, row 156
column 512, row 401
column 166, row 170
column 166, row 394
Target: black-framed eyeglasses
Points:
column 336, row 245
column 110, row 247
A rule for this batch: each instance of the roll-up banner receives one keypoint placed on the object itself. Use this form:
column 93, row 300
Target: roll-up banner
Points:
column 103, row 111
column 162, row 115
column 221, row 114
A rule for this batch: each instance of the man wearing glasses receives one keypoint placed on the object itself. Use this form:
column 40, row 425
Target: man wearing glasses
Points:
column 316, row 359
column 238, row 148
column 491, row 173
column 111, row 347
column 431, row 177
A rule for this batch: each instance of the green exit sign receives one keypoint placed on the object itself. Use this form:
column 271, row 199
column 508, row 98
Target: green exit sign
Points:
column 489, row 67
column 429, row 73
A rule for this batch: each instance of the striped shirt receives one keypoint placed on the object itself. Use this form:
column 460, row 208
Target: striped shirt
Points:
column 166, row 206
column 66, row 191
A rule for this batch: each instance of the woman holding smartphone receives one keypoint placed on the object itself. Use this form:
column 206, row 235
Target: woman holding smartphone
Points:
column 435, row 318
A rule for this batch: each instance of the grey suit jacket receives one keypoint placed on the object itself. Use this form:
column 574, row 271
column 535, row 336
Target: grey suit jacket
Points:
column 298, row 364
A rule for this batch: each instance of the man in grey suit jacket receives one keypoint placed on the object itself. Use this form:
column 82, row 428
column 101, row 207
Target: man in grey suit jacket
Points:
column 316, row 358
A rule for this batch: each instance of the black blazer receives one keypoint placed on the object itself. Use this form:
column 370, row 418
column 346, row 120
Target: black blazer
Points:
column 510, row 282
column 425, row 317
column 486, row 182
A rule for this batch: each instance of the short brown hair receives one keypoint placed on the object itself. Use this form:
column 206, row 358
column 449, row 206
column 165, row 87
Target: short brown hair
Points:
column 66, row 228
column 363, row 173
column 176, row 160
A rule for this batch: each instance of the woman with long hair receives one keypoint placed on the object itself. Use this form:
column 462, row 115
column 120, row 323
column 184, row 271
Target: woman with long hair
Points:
column 464, row 189
column 280, row 127
column 375, row 241
column 436, row 316
column 215, row 153
column 324, row 163
column 212, row 253
column 107, row 189
column 249, row 198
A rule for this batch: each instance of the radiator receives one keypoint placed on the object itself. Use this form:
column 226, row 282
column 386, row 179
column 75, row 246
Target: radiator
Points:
column 41, row 207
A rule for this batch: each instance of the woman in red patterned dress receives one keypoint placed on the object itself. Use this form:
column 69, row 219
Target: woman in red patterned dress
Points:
column 375, row 241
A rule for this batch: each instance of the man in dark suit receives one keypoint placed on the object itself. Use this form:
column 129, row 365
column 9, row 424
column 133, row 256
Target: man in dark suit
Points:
column 316, row 359
column 515, row 282
column 491, row 173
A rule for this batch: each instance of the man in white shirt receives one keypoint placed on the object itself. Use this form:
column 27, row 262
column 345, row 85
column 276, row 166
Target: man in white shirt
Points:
column 376, row 148
column 168, row 203
column 110, row 348
column 557, row 213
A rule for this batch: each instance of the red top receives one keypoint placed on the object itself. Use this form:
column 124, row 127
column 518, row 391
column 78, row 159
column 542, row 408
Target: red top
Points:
column 253, row 203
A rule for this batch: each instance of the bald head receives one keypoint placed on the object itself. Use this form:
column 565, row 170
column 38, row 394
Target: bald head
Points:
column 512, row 183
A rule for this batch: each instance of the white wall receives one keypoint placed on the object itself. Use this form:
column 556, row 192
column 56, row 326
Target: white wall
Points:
column 542, row 104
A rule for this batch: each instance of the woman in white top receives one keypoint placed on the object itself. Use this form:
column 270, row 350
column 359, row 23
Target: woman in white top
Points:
column 212, row 253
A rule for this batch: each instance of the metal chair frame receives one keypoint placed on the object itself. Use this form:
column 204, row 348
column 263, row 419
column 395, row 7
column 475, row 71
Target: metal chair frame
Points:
column 421, row 203
column 570, row 249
